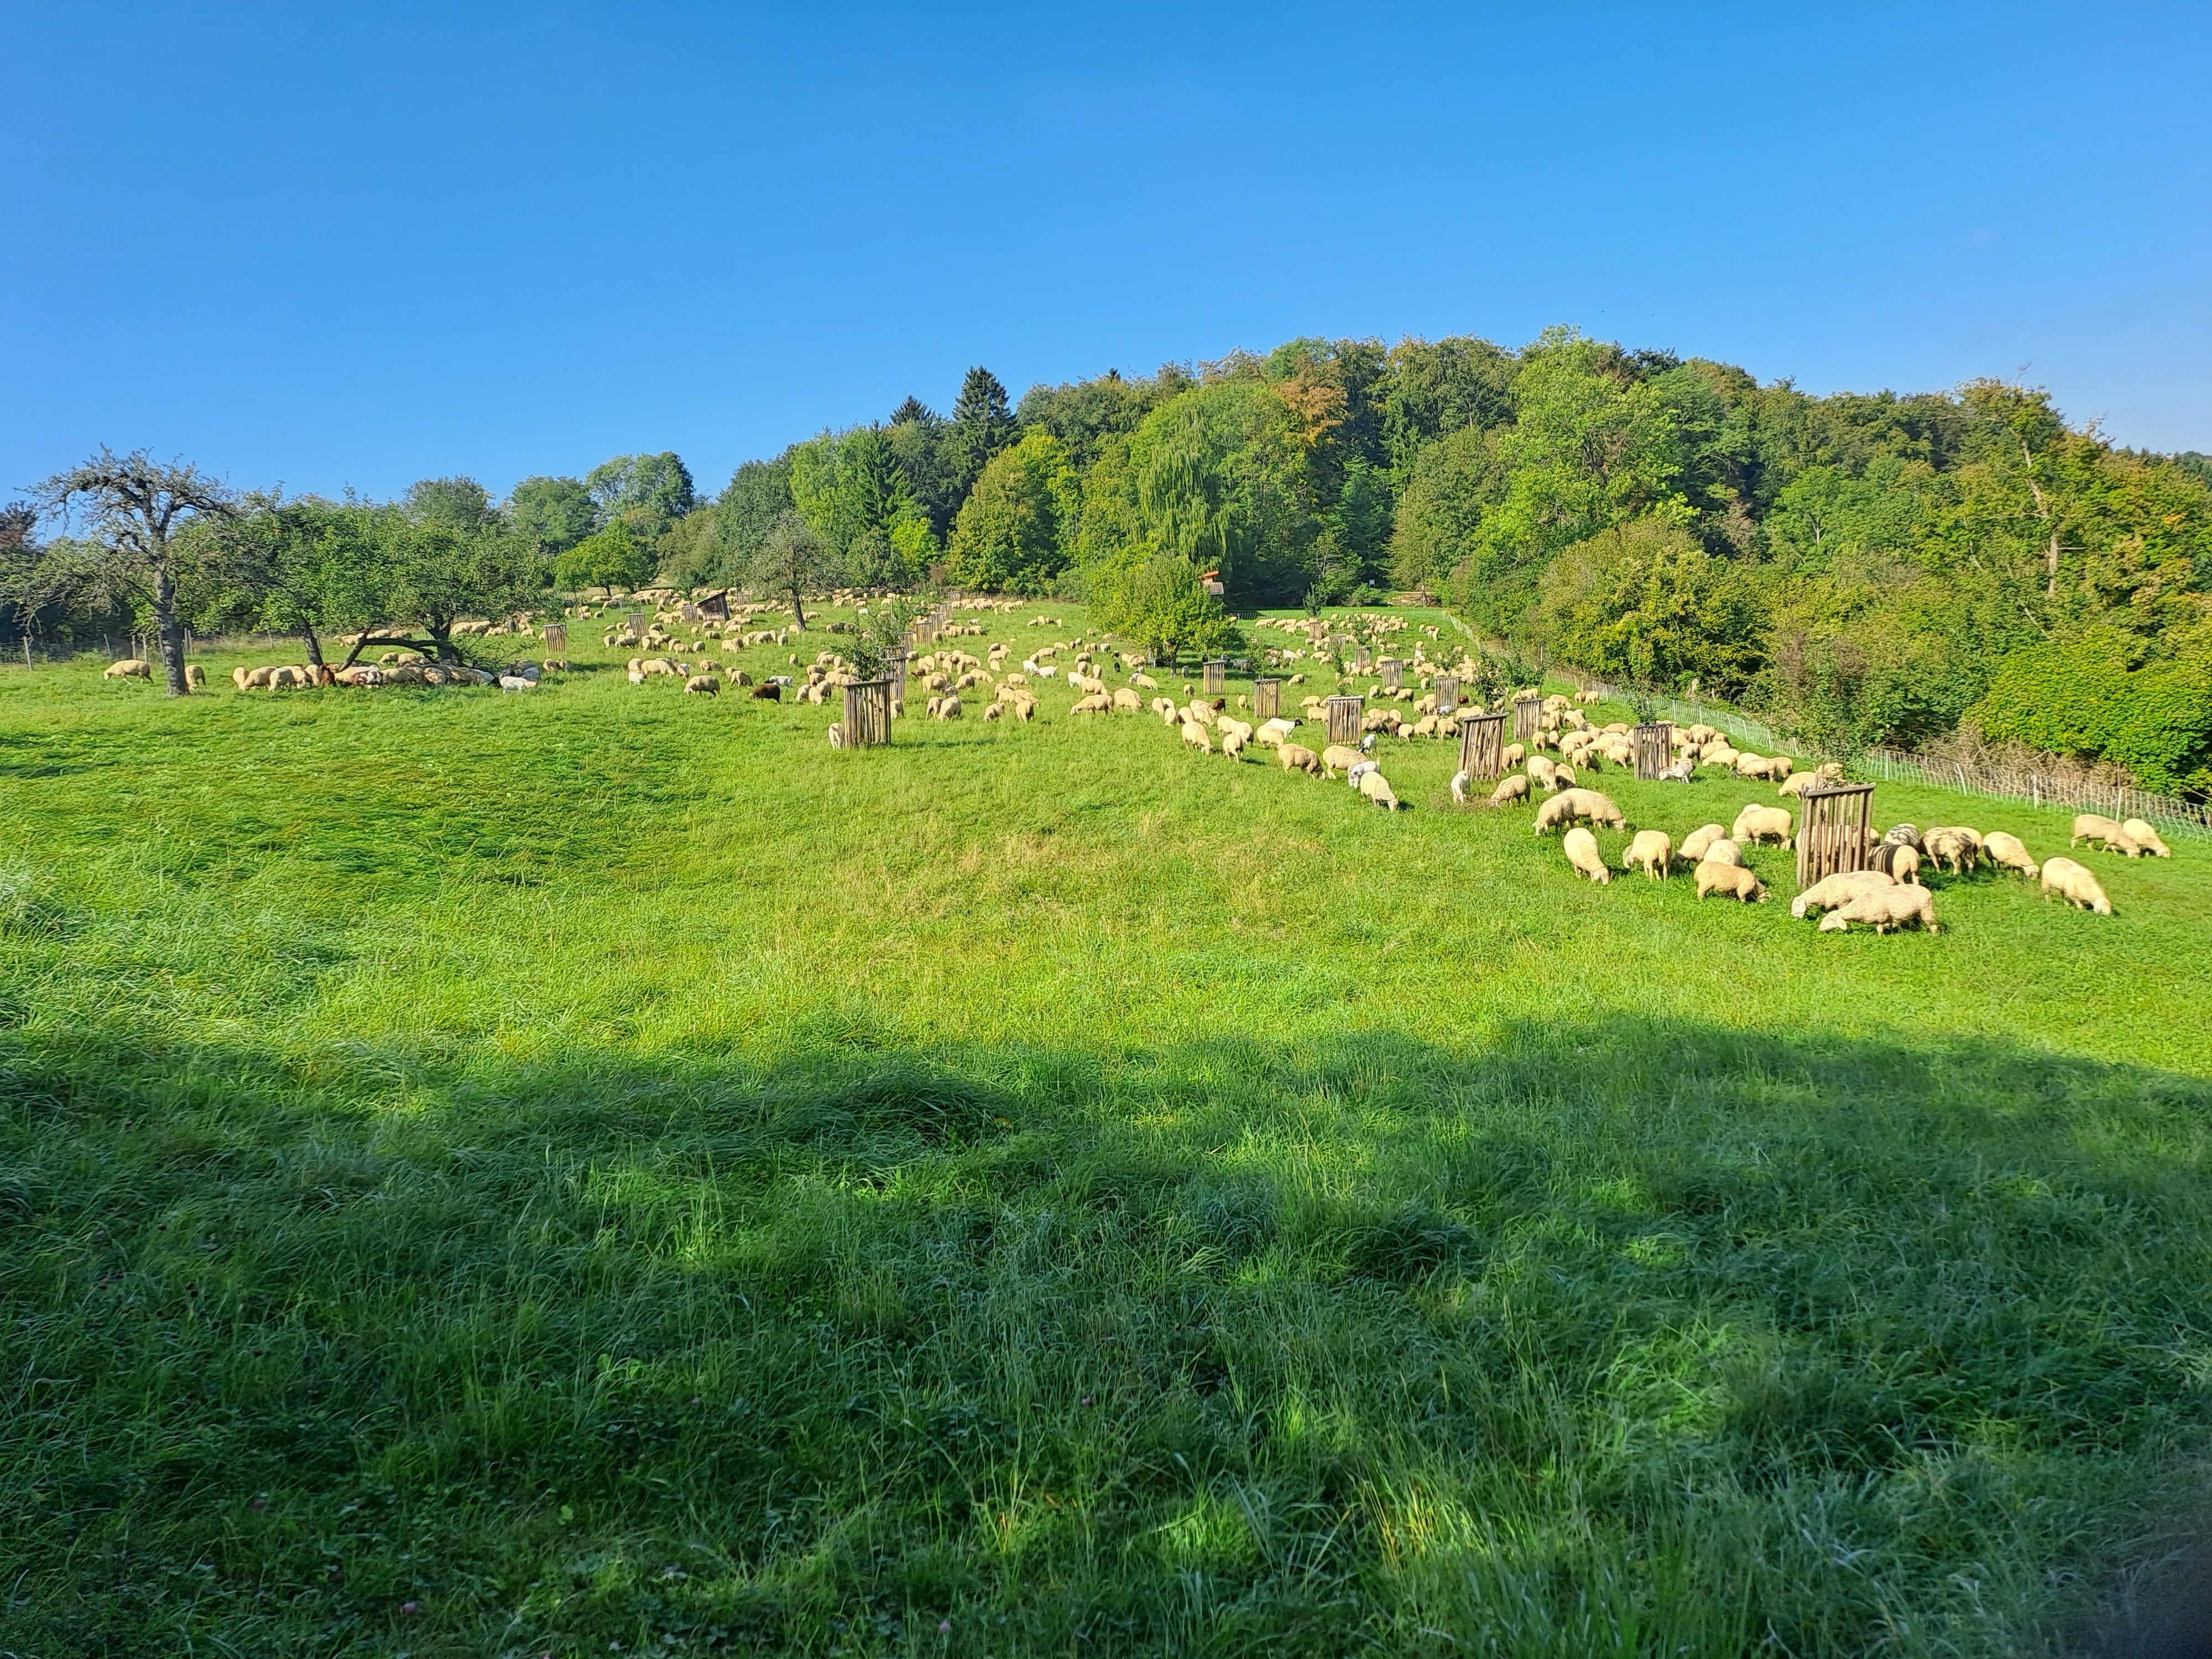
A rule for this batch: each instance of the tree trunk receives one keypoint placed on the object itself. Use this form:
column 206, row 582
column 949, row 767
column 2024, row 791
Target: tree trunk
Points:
column 441, row 636
column 172, row 634
column 314, row 644
column 798, row 616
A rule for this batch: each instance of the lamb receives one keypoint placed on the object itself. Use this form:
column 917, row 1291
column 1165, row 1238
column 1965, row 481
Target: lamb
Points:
column 523, row 683
column 1376, row 788
column 1337, row 758
column 1297, row 757
column 131, row 668
column 1569, row 804
column 1897, row 861
column 1679, row 772
column 2095, row 829
column 2075, row 885
column 699, row 685
column 1757, row 823
column 1836, row 890
column 2010, row 852
column 1512, row 787
column 2139, row 831
column 1954, row 845
column 1694, row 843
column 1197, row 736
column 1581, row 849
column 1459, row 782
column 1882, row 909
column 1652, row 849
column 1731, row 879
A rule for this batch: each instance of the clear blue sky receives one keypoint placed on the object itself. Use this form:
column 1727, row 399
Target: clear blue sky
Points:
column 331, row 246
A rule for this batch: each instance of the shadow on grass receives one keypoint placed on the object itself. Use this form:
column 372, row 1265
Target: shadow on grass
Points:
column 1619, row 1337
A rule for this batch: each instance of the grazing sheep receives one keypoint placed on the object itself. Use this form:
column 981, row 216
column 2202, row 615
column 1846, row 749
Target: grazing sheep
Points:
column 1224, row 724
column 2075, row 885
column 1757, row 823
column 1722, row 851
column 1732, row 879
column 1679, row 772
column 1581, row 849
column 243, row 679
column 1954, row 845
column 1097, row 702
column 948, row 709
column 1377, row 787
column 1232, row 745
column 2139, row 831
column 993, row 711
column 1652, row 849
column 1127, row 702
column 1165, row 709
column 1840, row 889
column 195, row 676
column 1297, row 757
column 1513, row 785
column 1513, row 756
column 1694, row 843
column 1902, row 835
column 2097, row 829
column 1898, row 862
column 1882, row 909
column 699, row 685
column 1570, row 804
column 768, row 691
column 1337, row 758
column 1543, row 772
column 2008, row 852
column 1197, row 736
column 1798, row 783
column 131, row 668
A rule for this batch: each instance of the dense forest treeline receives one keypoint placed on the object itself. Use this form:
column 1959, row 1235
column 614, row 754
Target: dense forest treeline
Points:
column 1868, row 567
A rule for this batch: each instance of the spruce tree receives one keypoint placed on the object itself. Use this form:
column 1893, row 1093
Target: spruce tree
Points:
column 983, row 424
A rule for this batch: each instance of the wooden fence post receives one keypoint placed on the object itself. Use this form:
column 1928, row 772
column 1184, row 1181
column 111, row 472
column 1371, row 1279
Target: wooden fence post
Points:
column 1346, row 714
column 1482, row 746
column 1835, row 832
column 867, row 713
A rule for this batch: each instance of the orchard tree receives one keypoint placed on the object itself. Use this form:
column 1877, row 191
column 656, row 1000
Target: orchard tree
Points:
column 306, row 566
column 133, row 508
column 554, row 513
column 793, row 561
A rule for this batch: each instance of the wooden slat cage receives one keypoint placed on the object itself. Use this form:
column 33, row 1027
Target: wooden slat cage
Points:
column 1835, row 832
column 1392, row 672
column 1447, row 689
column 894, row 673
column 1482, row 746
column 1654, row 743
column 1363, row 660
column 1266, row 700
column 557, row 638
column 1215, row 672
column 867, row 713
column 1344, row 715
column 1528, row 717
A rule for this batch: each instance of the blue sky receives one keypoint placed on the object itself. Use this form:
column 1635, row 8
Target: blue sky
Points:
column 327, row 245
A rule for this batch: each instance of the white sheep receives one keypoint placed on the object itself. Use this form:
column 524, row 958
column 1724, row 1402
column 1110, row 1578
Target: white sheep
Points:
column 2095, row 829
column 1694, row 843
column 1732, row 879
column 1653, row 849
column 1882, row 909
column 2140, row 831
column 1581, row 849
column 2074, row 883
column 1757, row 823
column 1832, row 890
column 2008, row 852
column 1377, row 787
column 1512, row 787
column 130, row 668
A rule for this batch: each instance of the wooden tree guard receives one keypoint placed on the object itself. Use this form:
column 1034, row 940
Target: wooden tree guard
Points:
column 1655, row 749
column 557, row 638
column 1363, row 660
column 1216, row 675
column 1392, row 672
column 1528, row 715
column 1482, row 746
column 1446, row 694
column 1344, row 715
column 896, row 674
column 1836, row 833
column 1266, row 700
column 630, row 621
column 867, row 713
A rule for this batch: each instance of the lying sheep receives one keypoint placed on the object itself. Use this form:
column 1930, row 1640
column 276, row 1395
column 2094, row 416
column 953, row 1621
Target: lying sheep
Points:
column 1757, row 823
column 1570, row 804
column 1513, row 786
column 1581, row 849
column 1653, row 849
column 1297, row 757
column 131, row 668
column 1694, row 843
column 1731, row 879
column 2008, row 852
column 1833, row 890
column 2074, row 883
column 2099, row 830
column 2139, row 831
column 1882, row 909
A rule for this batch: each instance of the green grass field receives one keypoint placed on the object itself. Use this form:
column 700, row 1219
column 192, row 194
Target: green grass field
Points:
column 596, row 1171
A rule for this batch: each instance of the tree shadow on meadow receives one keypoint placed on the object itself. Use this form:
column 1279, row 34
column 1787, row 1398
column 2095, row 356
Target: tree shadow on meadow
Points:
column 1621, row 1335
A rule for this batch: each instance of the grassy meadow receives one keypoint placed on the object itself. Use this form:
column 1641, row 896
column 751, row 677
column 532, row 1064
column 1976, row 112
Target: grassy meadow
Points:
column 596, row 1171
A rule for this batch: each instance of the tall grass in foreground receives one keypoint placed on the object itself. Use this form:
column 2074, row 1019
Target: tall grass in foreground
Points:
column 514, row 1176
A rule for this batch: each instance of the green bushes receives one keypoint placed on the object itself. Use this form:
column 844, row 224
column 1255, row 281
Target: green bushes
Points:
column 2081, row 697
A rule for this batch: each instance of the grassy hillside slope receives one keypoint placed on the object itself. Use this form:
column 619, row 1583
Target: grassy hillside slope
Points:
column 523, row 1174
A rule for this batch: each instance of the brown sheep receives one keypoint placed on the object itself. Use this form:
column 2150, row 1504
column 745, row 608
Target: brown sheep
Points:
column 702, row 685
column 767, row 691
